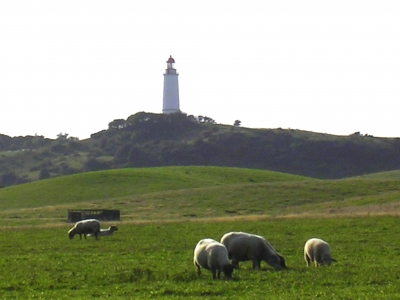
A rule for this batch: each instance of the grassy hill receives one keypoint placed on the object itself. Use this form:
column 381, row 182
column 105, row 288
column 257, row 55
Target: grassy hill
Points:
column 196, row 193
column 165, row 211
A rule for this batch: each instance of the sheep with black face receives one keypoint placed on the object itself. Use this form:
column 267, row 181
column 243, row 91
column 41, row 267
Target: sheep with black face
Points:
column 319, row 252
column 243, row 246
column 212, row 255
column 85, row 227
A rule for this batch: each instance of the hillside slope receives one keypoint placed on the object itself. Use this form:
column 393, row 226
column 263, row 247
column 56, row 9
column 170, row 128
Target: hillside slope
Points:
column 152, row 140
column 195, row 193
column 111, row 184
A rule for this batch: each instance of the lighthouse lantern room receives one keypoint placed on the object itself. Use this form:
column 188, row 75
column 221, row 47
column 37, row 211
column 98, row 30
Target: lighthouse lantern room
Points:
column 171, row 89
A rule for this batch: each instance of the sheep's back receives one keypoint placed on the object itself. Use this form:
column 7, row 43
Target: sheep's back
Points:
column 200, row 253
column 88, row 226
column 243, row 245
column 217, row 254
column 316, row 248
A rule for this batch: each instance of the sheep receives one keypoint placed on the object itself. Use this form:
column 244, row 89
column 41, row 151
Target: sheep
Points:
column 244, row 246
column 106, row 232
column 85, row 227
column 319, row 252
column 212, row 255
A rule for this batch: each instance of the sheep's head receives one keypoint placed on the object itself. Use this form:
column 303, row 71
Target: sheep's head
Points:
column 282, row 261
column 327, row 260
column 275, row 262
column 113, row 228
column 228, row 270
column 71, row 233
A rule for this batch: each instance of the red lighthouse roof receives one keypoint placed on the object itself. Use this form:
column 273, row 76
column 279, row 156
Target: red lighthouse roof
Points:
column 171, row 60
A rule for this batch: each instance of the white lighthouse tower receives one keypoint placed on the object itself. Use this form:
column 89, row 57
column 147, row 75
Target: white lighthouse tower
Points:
column 171, row 90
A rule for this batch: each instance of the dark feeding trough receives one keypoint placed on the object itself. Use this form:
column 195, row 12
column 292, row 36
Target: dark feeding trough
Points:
column 75, row 215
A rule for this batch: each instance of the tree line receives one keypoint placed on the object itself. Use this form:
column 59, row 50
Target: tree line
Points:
column 149, row 140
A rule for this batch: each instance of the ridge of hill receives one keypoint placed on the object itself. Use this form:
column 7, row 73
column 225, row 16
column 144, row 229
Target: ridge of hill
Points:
column 155, row 140
column 129, row 182
column 388, row 175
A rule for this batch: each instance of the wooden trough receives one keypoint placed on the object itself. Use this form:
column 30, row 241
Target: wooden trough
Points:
column 75, row 215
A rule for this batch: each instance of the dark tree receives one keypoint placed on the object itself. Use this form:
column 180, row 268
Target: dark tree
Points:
column 237, row 123
column 92, row 164
column 44, row 173
column 62, row 137
column 117, row 124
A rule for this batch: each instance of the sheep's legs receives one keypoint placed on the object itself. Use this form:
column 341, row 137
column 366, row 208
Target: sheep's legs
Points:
column 198, row 270
column 256, row 264
column 307, row 259
column 214, row 272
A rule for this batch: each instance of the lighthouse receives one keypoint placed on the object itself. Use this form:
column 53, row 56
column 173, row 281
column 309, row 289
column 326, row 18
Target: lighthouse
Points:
column 171, row 90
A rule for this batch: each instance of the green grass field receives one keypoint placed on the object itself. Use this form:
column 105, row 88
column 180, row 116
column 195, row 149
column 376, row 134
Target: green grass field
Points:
column 166, row 211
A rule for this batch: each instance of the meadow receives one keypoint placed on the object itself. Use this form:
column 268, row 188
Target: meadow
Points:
column 165, row 211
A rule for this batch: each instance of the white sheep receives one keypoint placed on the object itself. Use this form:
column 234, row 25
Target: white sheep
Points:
column 244, row 246
column 319, row 252
column 106, row 232
column 212, row 255
column 90, row 226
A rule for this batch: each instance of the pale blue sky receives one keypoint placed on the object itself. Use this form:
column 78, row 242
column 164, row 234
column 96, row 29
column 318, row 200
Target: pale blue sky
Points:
column 322, row 66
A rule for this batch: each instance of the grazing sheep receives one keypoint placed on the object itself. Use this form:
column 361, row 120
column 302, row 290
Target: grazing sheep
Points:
column 106, row 232
column 244, row 246
column 85, row 227
column 212, row 255
column 319, row 252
